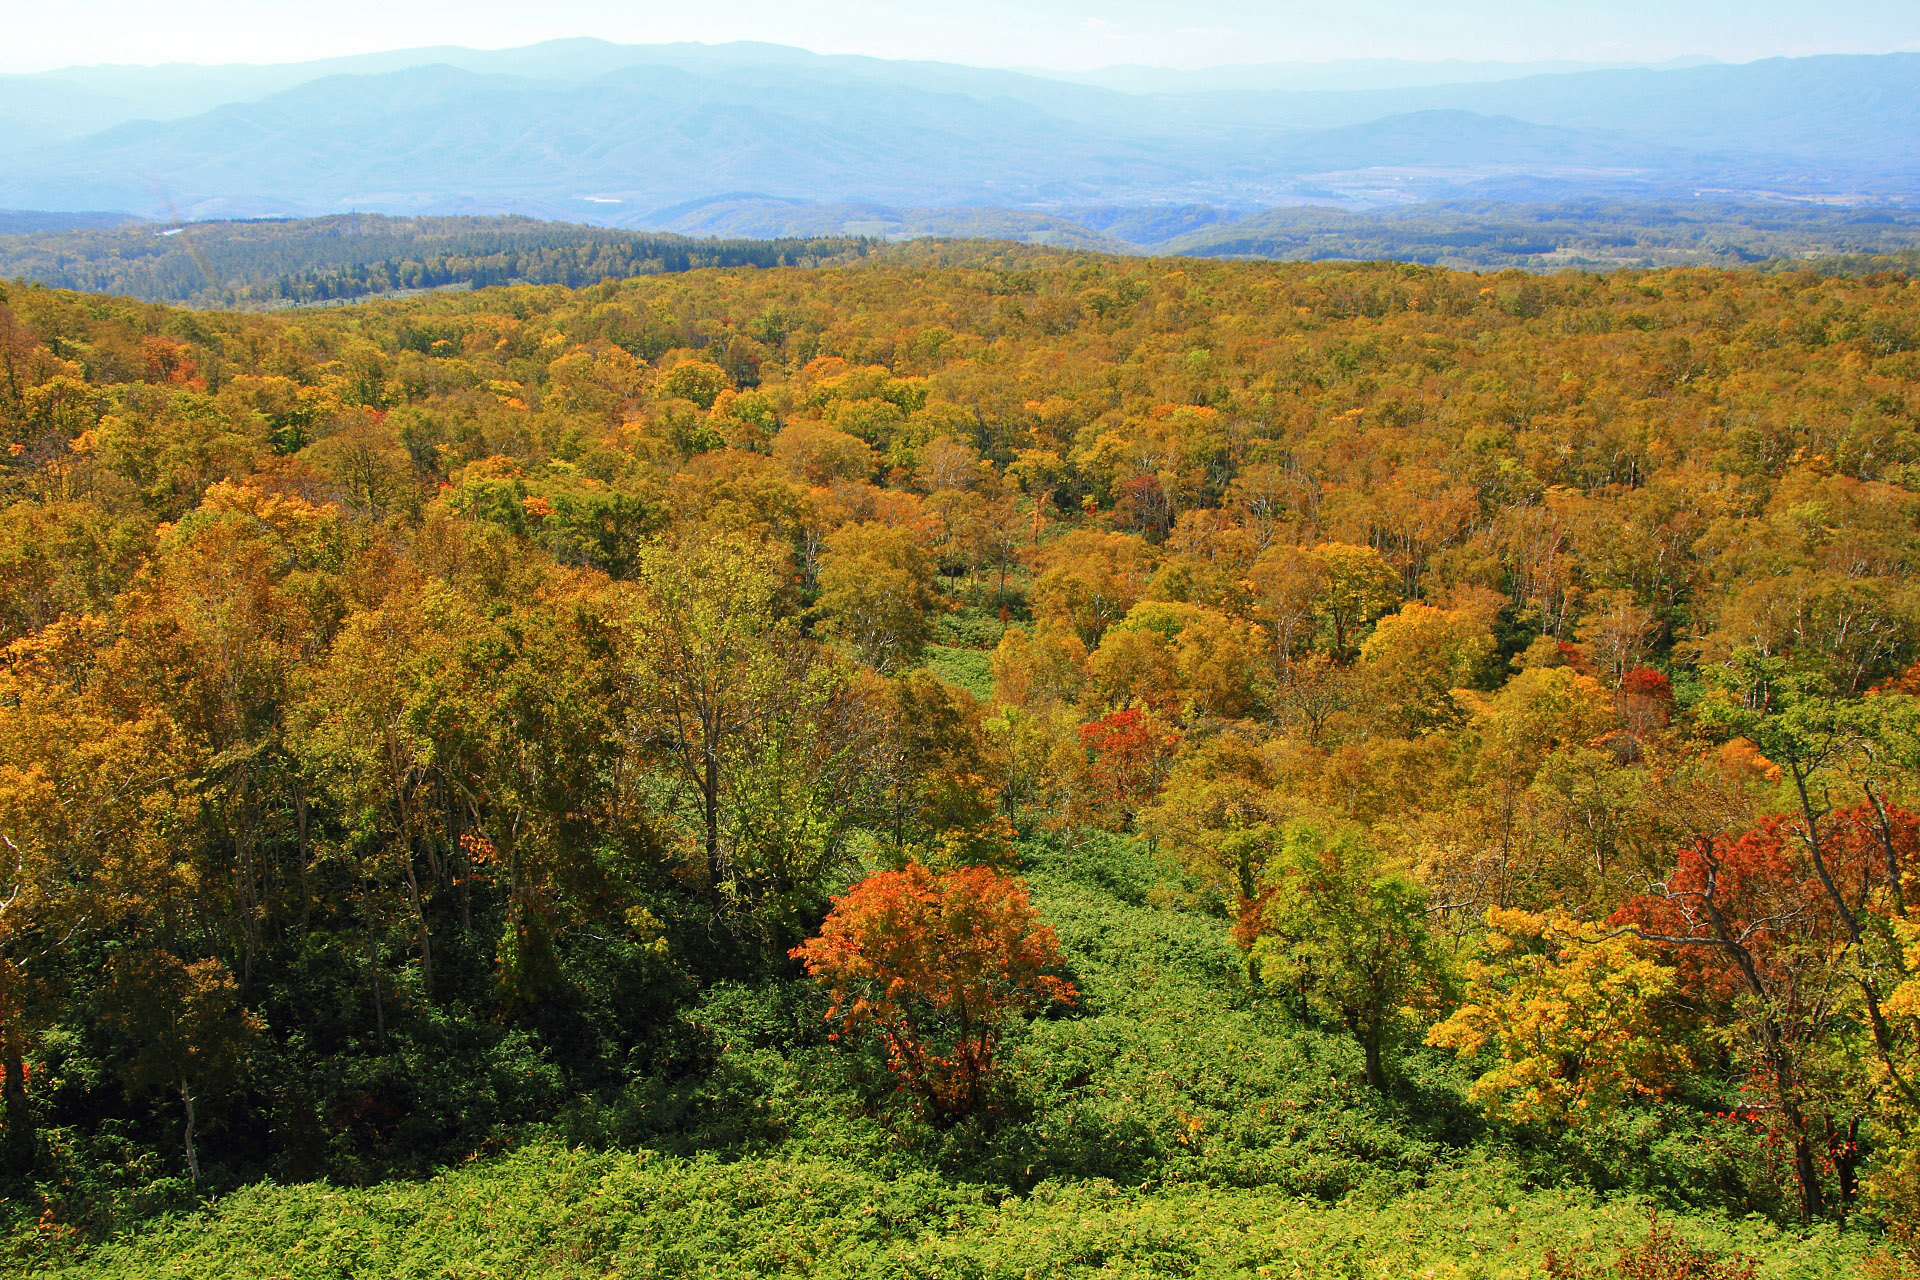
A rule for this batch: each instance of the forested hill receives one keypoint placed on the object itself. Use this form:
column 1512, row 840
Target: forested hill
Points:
column 22, row 222
column 980, row 762
column 316, row 260
column 254, row 265
column 1592, row 235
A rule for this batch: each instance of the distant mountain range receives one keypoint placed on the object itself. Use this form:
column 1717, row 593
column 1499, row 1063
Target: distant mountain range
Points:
column 55, row 106
column 787, row 142
column 1343, row 74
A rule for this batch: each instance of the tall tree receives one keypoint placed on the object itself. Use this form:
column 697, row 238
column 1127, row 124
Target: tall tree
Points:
column 706, row 636
column 93, row 795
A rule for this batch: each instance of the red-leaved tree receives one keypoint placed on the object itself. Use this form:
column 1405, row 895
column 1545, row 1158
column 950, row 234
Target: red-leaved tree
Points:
column 936, row 966
column 1644, row 700
column 1130, row 754
column 1779, row 935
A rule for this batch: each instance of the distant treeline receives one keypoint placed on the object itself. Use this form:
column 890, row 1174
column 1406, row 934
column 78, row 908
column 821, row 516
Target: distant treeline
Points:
column 21, row 222
column 349, row 256
column 1906, row 262
column 1585, row 235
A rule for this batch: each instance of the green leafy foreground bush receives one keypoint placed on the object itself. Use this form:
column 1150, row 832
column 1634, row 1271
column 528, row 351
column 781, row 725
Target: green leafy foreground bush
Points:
column 1171, row 1126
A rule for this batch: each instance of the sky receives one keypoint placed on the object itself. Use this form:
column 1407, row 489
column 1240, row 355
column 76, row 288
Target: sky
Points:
column 1056, row 34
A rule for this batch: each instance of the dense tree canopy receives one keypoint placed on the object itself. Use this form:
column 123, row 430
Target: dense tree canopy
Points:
column 474, row 679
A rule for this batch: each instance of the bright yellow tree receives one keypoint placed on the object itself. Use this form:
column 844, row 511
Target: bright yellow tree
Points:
column 1573, row 1013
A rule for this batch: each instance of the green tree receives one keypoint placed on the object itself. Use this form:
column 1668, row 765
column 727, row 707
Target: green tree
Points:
column 1349, row 938
column 700, row 381
column 798, row 773
column 706, row 638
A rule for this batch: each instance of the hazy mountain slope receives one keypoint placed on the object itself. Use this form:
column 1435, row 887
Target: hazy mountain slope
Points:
column 55, row 106
column 36, row 112
column 438, row 138
column 74, row 102
column 1145, row 226
column 1340, row 75
column 21, row 222
column 1858, row 110
column 591, row 131
column 1443, row 138
column 1864, row 110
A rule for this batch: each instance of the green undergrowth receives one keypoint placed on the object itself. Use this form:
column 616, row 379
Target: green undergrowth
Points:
column 552, row 1211
column 1171, row 1124
column 971, row 669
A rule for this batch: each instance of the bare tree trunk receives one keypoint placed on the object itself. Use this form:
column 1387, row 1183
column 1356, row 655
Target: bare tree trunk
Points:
column 1370, row 1047
column 249, row 904
column 193, row 1157
column 420, row 919
column 466, row 892
column 1807, row 1174
column 710, row 794
column 373, row 971
column 1844, row 1148
column 302, row 850
column 1884, row 829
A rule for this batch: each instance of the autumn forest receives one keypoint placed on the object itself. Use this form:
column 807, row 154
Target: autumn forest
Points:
column 976, row 761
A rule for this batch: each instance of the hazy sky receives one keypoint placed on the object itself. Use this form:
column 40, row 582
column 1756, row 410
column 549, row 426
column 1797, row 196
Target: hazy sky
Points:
column 1067, row 34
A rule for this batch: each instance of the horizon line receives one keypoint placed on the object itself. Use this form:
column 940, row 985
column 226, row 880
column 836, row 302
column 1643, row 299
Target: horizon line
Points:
column 1572, row 65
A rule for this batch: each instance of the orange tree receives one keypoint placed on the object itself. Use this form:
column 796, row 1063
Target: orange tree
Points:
column 936, row 966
